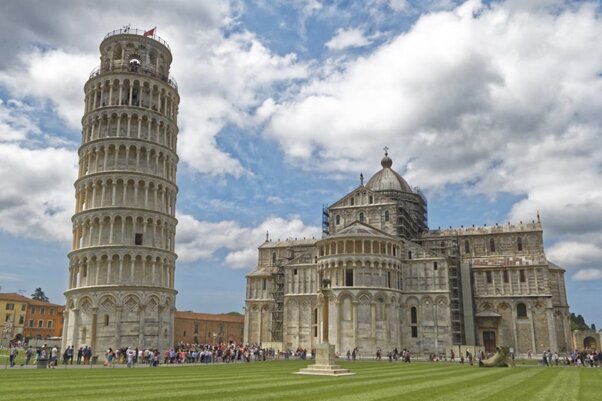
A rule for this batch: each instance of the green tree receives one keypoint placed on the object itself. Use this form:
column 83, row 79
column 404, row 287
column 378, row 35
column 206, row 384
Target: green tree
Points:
column 39, row 295
column 578, row 322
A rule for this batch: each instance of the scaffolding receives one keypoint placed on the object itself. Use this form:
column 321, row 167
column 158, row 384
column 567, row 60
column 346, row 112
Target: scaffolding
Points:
column 325, row 222
column 278, row 295
column 450, row 248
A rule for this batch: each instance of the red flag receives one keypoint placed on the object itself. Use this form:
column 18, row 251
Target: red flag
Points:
column 150, row 32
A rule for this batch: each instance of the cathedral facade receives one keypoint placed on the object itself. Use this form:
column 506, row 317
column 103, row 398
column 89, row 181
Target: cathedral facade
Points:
column 393, row 283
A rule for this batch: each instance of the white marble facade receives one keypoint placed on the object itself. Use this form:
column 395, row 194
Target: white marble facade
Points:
column 121, row 289
column 393, row 283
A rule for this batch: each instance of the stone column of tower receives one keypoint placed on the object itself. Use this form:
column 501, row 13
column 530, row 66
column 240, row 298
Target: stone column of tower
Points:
column 121, row 268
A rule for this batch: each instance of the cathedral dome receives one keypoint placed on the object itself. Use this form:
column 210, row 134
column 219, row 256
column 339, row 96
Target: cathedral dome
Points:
column 388, row 179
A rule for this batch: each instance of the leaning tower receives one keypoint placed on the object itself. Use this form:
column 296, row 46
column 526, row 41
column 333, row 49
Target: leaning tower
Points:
column 121, row 268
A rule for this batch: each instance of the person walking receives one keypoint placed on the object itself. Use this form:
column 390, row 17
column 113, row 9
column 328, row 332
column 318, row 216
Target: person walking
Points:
column 13, row 355
column 54, row 356
column 28, row 355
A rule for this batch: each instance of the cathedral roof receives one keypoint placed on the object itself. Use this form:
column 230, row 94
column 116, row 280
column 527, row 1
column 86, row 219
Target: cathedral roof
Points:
column 388, row 179
column 554, row 266
column 359, row 229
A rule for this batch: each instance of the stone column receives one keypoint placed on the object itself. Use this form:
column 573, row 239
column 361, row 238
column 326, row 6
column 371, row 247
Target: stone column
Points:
column 325, row 317
column 116, row 342
column 141, row 312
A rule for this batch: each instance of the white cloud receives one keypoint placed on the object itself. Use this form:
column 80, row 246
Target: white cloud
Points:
column 36, row 200
column 51, row 75
column 223, row 76
column 202, row 240
column 399, row 5
column 346, row 38
column 588, row 275
column 229, row 79
column 15, row 121
column 9, row 277
column 37, row 197
column 575, row 253
column 275, row 200
column 497, row 98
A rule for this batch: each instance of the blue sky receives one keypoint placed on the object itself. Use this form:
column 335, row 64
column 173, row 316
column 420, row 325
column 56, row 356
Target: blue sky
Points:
column 492, row 108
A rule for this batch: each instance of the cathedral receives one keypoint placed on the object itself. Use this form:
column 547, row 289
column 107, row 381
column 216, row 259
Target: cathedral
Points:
column 395, row 283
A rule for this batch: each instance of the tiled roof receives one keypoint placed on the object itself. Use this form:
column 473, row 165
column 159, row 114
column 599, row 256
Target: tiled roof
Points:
column 209, row 316
column 13, row 296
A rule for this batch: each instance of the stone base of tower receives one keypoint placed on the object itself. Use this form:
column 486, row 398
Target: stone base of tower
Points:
column 325, row 363
column 118, row 319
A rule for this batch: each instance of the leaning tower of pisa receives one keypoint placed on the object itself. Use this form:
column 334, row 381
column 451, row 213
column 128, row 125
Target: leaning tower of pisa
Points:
column 121, row 268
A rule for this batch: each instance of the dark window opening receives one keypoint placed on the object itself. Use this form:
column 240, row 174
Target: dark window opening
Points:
column 413, row 315
column 273, row 257
column 337, row 219
column 138, row 239
column 349, row 277
column 352, row 201
column 295, row 272
column 106, row 320
column 491, row 245
column 519, row 243
column 521, row 310
column 414, row 332
column 386, row 215
column 523, row 278
column 409, row 254
column 371, row 199
column 362, row 217
column 466, row 246
column 435, row 265
column 505, row 275
column 489, row 277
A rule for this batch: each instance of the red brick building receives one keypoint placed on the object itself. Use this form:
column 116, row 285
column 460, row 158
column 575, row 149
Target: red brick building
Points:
column 43, row 320
column 206, row 328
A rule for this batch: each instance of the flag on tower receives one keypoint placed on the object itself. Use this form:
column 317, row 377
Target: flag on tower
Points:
column 150, row 32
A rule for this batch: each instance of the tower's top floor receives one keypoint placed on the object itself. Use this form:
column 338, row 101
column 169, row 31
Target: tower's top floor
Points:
column 138, row 51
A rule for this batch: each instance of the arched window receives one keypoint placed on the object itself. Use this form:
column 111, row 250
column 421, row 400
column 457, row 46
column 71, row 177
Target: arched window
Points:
column 521, row 310
column 386, row 215
column 362, row 217
column 491, row 245
column 413, row 315
column 466, row 246
column 338, row 219
column 519, row 243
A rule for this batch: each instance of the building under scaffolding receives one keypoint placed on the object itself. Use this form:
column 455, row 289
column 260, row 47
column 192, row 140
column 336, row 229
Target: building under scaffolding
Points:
column 394, row 283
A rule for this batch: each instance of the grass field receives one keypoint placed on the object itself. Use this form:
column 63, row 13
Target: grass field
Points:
column 275, row 381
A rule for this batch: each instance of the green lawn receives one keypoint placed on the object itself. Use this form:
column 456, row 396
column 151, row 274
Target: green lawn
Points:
column 275, row 381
